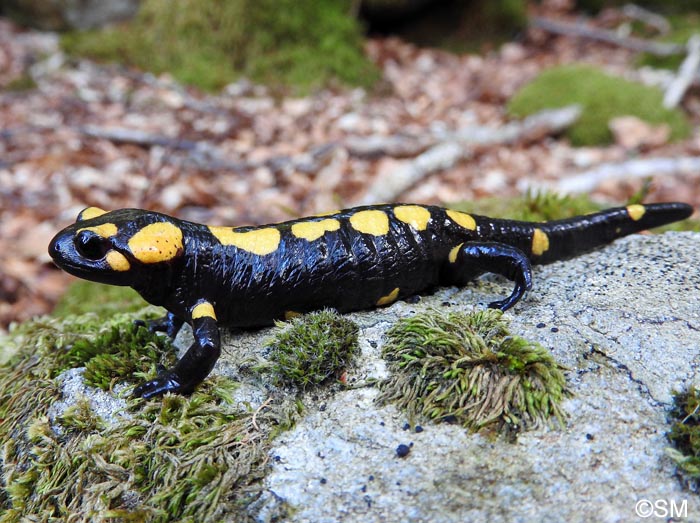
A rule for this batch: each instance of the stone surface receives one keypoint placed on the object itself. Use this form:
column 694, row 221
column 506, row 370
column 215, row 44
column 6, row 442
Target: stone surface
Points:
column 625, row 319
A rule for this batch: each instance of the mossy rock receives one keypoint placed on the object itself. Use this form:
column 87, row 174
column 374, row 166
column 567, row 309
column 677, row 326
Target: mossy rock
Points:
column 469, row 369
column 173, row 458
column 209, row 43
column 685, row 436
column 602, row 97
column 312, row 349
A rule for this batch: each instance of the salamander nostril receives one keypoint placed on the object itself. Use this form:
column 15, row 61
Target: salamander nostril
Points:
column 54, row 248
column 91, row 245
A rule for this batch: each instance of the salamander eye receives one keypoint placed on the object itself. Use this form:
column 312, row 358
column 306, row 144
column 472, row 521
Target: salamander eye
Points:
column 91, row 245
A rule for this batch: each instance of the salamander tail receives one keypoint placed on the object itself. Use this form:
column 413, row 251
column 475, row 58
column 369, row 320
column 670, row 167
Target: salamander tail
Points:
column 573, row 236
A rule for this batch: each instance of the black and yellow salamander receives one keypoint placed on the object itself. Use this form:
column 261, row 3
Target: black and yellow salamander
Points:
column 348, row 260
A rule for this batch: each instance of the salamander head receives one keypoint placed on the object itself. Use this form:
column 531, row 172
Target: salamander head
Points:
column 124, row 247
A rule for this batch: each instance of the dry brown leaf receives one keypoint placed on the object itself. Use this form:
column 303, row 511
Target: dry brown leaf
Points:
column 632, row 133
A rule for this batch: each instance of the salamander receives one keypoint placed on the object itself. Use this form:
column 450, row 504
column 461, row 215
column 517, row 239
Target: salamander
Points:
column 359, row 258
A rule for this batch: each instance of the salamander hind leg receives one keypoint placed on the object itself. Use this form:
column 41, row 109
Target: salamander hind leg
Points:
column 197, row 362
column 469, row 260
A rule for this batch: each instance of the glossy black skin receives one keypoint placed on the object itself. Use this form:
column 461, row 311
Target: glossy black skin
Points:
column 344, row 269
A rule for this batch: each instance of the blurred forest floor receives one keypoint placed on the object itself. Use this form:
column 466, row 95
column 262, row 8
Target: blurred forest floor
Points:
column 74, row 134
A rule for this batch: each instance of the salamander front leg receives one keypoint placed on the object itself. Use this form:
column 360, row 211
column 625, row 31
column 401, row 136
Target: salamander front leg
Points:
column 471, row 259
column 197, row 362
column 169, row 324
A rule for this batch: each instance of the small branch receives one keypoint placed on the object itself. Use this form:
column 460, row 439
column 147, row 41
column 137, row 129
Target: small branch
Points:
column 206, row 156
column 136, row 137
column 258, row 410
column 658, row 22
column 533, row 128
column 686, row 74
column 603, row 35
column 437, row 158
column 397, row 146
column 460, row 145
column 587, row 181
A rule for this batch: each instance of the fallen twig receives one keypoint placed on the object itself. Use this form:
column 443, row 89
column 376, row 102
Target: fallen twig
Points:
column 437, row 158
column 650, row 18
column 604, row 35
column 686, row 74
column 138, row 137
column 459, row 145
column 587, row 181
column 396, row 146
column 206, row 156
column 531, row 129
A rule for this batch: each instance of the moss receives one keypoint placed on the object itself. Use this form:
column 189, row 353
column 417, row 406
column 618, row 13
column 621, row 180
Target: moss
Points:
column 197, row 458
column 312, row 349
column 535, row 206
column 102, row 300
column 23, row 82
column 209, row 43
column 79, row 417
column 602, row 97
column 123, row 353
column 469, row 368
column 685, row 436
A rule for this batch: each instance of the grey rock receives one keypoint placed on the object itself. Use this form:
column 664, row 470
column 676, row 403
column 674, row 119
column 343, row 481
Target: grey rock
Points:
column 624, row 319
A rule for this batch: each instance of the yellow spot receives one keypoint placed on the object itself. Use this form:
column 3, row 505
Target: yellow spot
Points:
column 314, row 230
column 288, row 315
column 257, row 241
column 89, row 213
column 104, row 231
column 157, row 242
column 454, row 252
column 461, row 218
column 389, row 298
column 203, row 310
column 370, row 222
column 636, row 211
column 540, row 242
column 414, row 215
column 117, row 261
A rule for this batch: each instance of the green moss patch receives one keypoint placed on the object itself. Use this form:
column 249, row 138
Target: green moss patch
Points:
column 685, row 436
column 24, row 82
column 312, row 349
column 208, row 43
column 175, row 458
column 125, row 352
column 468, row 368
column 602, row 97
column 102, row 300
column 535, row 206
